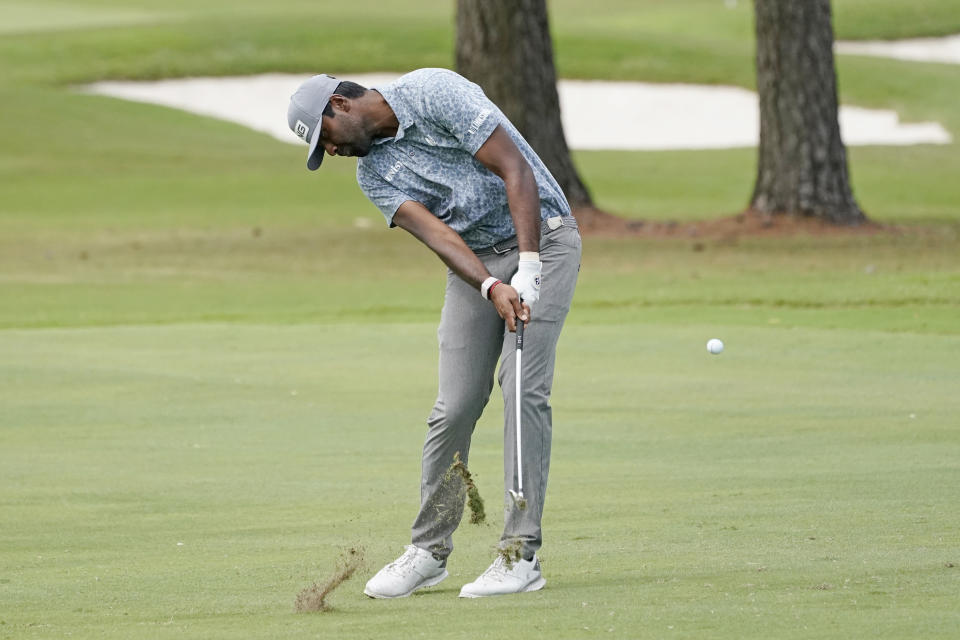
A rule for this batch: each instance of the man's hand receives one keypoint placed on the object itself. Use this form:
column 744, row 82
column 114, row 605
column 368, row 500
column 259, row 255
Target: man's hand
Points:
column 526, row 281
column 506, row 301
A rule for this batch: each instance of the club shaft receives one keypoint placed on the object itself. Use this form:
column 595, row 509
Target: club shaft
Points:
column 519, row 405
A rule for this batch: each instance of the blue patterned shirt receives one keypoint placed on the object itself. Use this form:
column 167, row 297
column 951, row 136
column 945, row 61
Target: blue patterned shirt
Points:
column 444, row 120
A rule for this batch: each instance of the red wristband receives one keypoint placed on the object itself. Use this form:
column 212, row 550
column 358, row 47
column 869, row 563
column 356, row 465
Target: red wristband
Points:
column 488, row 286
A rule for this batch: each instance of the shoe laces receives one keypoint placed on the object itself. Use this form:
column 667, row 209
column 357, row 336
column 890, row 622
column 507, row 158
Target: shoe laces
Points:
column 498, row 568
column 403, row 564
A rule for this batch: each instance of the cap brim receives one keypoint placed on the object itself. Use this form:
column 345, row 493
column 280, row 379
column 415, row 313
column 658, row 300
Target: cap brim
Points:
column 315, row 155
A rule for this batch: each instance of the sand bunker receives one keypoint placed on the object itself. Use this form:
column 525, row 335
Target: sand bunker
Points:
column 630, row 115
column 944, row 50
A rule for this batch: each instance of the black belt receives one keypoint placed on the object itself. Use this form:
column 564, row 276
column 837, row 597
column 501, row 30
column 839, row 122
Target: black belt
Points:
column 546, row 226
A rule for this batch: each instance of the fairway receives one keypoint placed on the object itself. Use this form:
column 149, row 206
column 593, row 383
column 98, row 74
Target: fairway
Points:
column 216, row 368
column 192, row 479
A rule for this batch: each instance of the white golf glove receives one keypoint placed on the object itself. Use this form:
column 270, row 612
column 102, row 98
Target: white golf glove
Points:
column 527, row 278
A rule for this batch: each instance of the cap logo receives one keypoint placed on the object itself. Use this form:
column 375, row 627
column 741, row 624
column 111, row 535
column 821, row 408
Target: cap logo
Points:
column 302, row 130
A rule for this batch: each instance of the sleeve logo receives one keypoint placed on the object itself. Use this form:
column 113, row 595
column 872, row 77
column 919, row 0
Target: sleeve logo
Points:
column 478, row 121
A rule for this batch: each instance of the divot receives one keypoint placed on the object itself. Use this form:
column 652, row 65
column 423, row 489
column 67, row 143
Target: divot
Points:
column 458, row 470
column 313, row 598
column 510, row 552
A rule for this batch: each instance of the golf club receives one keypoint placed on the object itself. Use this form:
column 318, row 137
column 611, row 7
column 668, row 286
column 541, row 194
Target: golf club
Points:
column 517, row 495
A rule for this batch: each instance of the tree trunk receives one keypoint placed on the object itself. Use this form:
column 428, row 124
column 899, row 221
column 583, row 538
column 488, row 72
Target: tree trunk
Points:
column 802, row 159
column 504, row 46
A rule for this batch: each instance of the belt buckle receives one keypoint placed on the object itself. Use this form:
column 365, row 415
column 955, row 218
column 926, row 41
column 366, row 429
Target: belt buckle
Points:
column 554, row 222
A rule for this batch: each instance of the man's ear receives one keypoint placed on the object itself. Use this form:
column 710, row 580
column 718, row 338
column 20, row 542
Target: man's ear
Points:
column 340, row 103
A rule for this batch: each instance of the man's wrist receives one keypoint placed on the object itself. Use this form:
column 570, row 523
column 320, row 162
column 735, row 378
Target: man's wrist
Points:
column 529, row 256
column 486, row 288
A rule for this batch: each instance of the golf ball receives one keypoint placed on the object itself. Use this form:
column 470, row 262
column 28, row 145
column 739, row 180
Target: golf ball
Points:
column 715, row 346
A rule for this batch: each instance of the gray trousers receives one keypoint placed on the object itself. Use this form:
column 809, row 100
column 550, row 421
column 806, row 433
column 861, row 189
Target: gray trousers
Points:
column 472, row 339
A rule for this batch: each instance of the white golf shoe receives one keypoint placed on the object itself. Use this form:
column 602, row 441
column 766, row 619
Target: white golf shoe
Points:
column 415, row 569
column 500, row 579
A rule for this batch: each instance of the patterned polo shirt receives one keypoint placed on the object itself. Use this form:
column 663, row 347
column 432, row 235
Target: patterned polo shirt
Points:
column 444, row 120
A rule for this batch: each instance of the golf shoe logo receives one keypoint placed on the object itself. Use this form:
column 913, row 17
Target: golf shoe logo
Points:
column 302, row 130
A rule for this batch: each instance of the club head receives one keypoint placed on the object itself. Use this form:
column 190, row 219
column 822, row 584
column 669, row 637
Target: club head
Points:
column 518, row 500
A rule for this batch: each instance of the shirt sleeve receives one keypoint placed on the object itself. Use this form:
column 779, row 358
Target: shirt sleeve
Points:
column 460, row 108
column 381, row 193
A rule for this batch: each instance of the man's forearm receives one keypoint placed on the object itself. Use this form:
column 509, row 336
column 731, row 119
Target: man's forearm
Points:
column 443, row 241
column 502, row 157
column 460, row 259
column 524, row 202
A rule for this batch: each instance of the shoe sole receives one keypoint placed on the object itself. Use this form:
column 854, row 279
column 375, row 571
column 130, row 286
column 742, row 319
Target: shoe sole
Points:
column 426, row 583
column 536, row 585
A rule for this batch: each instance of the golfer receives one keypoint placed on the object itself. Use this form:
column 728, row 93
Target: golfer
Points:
column 441, row 161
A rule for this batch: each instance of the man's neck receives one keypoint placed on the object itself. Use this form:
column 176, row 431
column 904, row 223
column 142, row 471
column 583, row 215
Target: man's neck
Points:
column 384, row 121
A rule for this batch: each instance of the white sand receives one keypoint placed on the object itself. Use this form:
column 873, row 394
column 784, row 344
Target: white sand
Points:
column 596, row 115
column 945, row 50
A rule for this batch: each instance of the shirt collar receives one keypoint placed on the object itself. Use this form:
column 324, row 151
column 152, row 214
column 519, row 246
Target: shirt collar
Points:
column 399, row 107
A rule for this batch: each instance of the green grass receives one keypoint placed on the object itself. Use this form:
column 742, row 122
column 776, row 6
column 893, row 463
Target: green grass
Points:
column 162, row 481
column 215, row 367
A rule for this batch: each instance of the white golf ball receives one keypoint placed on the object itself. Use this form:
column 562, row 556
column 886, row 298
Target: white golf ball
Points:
column 715, row 346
